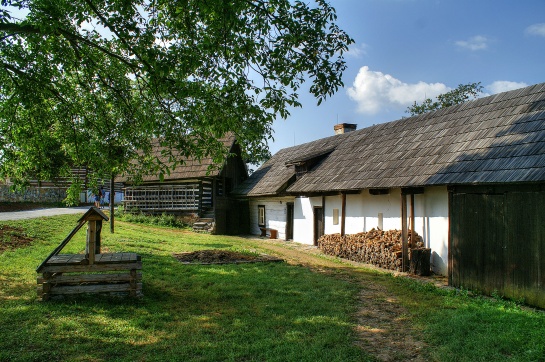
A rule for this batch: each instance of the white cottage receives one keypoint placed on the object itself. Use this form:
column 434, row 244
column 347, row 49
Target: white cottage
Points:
column 460, row 177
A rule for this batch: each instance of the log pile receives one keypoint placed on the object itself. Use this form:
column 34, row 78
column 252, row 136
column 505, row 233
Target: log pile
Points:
column 377, row 247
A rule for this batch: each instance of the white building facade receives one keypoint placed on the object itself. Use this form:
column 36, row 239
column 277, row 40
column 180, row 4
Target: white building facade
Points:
column 362, row 213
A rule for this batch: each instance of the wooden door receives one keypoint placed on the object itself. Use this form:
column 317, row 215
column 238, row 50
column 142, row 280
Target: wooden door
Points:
column 289, row 221
column 318, row 223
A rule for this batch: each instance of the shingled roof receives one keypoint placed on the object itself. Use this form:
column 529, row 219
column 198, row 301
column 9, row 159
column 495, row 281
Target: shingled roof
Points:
column 491, row 140
column 189, row 167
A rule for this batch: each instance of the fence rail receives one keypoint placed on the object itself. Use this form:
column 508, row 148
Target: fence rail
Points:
column 162, row 197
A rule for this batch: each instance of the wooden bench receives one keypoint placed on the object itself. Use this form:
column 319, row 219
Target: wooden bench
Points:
column 273, row 233
column 92, row 272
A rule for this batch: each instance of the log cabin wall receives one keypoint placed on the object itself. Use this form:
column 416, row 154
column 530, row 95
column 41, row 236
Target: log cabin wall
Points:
column 497, row 240
column 232, row 216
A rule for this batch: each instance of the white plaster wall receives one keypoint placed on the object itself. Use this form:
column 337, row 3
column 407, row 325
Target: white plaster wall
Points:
column 275, row 214
column 303, row 223
column 332, row 202
column 389, row 205
column 362, row 214
column 354, row 209
column 431, row 222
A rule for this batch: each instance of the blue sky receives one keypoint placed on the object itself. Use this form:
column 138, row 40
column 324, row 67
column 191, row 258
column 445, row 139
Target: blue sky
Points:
column 407, row 50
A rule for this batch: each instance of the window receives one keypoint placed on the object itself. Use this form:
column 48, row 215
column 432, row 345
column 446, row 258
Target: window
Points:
column 335, row 216
column 261, row 215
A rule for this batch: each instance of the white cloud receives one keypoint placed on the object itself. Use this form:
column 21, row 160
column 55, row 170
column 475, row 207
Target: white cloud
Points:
column 357, row 50
column 478, row 42
column 536, row 29
column 504, row 86
column 376, row 91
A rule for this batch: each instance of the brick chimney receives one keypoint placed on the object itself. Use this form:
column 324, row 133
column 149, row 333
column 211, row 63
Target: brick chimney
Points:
column 344, row 128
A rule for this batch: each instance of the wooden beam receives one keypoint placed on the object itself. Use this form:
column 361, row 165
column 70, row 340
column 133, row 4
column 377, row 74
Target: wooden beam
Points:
column 412, row 220
column 412, row 190
column 343, row 213
column 61, row 245
column 379, row 191
column 91, row 240
column 450, row 269
column 323, row 216
column 404, row 232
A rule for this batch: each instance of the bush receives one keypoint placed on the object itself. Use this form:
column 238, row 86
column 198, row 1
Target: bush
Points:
column 161, row 220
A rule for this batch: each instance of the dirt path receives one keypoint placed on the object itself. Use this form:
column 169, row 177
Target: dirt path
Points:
column 382, row 326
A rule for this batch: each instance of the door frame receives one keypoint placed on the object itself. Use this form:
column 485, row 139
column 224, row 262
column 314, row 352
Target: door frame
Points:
column 290, row 213
column 318, row 223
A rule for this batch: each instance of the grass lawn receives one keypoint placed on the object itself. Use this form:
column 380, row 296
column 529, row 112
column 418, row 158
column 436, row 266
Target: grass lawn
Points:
column 311, row 311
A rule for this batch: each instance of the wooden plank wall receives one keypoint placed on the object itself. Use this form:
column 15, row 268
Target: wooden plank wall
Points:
column 497, row 241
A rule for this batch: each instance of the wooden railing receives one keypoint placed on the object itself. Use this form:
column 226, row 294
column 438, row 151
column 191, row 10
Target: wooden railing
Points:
column 162, row 197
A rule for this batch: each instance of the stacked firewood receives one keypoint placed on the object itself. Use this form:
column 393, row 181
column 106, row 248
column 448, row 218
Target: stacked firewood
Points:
column 377, row 247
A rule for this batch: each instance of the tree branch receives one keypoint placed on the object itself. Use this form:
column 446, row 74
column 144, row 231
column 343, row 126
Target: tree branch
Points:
column 31, row 29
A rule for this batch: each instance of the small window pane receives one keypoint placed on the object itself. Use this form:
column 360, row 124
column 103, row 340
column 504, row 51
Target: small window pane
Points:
column 335, row 216
column 261, row 215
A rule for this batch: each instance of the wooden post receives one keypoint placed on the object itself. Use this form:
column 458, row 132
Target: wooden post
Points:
column 343, row 213
column 404, row 232
column 91, row 238
column 97, row 236
column 412, row 243
column 133, row 283
column 112, row 206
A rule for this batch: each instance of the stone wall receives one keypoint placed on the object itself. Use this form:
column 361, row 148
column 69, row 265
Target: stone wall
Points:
column 32, row 194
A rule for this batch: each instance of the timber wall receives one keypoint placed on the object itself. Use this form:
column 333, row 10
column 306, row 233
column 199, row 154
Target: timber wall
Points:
column 231, row 216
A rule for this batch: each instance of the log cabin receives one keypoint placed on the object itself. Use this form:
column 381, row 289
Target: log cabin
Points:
column 197, row 188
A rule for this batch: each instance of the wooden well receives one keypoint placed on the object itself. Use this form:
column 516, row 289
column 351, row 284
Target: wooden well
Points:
column 92, row 272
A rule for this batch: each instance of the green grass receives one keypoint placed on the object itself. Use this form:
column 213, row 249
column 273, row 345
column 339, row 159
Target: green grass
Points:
column 460, row 326
column 267, row 311
column 254, row 312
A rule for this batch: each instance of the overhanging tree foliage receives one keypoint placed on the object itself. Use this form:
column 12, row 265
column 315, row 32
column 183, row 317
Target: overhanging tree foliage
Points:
column 92, row 82
column 463, row 93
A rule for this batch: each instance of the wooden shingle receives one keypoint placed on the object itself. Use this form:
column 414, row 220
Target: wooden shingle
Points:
column 496, row 139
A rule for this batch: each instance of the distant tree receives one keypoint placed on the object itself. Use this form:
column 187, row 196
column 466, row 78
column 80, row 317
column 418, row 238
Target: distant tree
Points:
column 463, row 93
column 92, row 82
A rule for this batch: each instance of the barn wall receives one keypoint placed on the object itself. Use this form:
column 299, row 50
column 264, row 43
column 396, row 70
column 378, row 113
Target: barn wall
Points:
column 231, row 216
column 498, row 241
column 275, row 214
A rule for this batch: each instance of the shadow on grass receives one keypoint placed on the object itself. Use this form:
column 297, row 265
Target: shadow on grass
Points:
column 267, row 311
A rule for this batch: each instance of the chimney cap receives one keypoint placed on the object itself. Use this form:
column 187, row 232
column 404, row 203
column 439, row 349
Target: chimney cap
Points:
column 344, row 128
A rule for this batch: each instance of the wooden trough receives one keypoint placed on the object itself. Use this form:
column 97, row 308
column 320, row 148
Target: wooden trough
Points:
column 92, row 272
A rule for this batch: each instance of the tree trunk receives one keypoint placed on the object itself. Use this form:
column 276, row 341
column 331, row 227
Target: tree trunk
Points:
column 112, row 199
column 420, row 261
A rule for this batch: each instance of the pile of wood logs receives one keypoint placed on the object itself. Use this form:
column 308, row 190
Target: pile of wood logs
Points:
column 377, row 247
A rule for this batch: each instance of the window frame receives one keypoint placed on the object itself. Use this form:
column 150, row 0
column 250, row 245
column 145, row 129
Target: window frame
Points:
column 261, row 219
